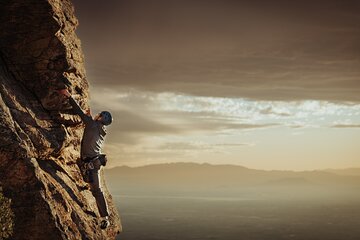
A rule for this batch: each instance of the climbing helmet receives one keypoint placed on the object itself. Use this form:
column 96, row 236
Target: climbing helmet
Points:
column 106, row 118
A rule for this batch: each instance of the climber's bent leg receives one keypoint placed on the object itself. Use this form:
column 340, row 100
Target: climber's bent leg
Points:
column 98, row 193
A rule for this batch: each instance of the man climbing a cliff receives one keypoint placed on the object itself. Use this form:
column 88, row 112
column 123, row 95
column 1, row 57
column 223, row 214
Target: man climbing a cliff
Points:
column 91, row 144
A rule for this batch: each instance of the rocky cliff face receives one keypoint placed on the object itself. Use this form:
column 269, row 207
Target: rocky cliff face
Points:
column 39, row 135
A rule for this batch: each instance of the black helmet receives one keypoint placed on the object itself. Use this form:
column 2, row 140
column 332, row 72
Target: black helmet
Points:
column 106, row 118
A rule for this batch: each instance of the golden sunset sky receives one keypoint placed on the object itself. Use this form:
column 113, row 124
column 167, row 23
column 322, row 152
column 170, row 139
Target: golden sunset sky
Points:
column 263, row 84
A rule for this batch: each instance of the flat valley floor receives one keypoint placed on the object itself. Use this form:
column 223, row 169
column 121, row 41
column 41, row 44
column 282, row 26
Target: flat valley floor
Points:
column 165, row 217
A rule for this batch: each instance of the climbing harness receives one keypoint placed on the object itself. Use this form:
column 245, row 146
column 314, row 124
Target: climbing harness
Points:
column 88, row 164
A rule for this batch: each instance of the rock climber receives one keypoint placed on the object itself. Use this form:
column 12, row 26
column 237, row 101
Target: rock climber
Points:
column 91, row 144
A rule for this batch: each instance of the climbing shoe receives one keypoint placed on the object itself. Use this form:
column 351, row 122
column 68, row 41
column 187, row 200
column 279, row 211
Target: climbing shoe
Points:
column 104, row 223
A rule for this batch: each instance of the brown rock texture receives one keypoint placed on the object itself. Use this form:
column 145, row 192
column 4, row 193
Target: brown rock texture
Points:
column 39, row 135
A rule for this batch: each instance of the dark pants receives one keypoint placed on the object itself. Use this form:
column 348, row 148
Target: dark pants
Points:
column 96, row 190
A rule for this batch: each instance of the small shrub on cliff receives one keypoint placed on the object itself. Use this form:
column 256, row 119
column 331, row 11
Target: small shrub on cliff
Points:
column 6, row 217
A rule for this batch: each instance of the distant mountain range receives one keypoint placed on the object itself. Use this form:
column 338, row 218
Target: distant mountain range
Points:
column 345, row 172
column 183, row 176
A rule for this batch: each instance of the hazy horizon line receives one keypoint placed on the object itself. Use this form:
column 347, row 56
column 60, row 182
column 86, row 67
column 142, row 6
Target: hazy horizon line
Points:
column 232, row 165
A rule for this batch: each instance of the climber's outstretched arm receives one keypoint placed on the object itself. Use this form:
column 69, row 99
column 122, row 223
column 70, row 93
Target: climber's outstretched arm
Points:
column 84, row 117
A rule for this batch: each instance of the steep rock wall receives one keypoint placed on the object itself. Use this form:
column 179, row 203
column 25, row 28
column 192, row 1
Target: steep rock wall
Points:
column 39, row 135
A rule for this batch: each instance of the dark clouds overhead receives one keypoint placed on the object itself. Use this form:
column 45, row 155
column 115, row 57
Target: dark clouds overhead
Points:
column 269, row 50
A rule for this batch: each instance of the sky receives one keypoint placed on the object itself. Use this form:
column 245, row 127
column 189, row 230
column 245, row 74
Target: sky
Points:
column 262, row 84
